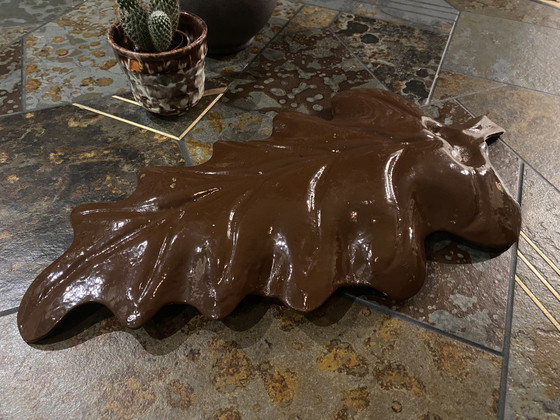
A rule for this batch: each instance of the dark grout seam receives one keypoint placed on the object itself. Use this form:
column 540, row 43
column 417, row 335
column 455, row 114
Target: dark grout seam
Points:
column 381, row 308
column 185, row 153
column 352, row 53
column 464, row 95
column 270, row 41
column 503, row 82
column 9, row 311
column 23, row 75
column 509, row 311
column 443, row 56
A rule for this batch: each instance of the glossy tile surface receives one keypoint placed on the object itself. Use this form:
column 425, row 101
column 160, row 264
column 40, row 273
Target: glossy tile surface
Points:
column 519, row 10
column 531, row 123
column 533, row 390
column 505, row 51
column 10, row 78
column 13, row 34
column 452, row 85
column 429, row 13
column 310, row 17
column 224, row 122
column 229, row 66
column 343, row 361
column 69, row 59
column 299, row 72
column 25, row 12
column 532, row 387
column 404, row 58
column 344, row 5
column 49, row 164
column 541, row 207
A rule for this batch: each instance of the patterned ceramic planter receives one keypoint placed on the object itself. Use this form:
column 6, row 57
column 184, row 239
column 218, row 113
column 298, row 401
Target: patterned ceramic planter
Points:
column 170, row 82
column 232, row 24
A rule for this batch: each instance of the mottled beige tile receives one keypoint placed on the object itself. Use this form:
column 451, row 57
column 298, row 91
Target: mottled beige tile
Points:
column 52, row 161
column 450, row 85
column 521, row 10
column 533, row 386
column 70, row 58
column 285, row 9
column 505, row 51
column 553, row 3
column 541, row 230
column 404, row 57
column 310, row 17
column 343, row 361
column 534, row 363
column 299, row 72
column 10, row 78
column 225, row 123
column 531, row 122
column 12, row 34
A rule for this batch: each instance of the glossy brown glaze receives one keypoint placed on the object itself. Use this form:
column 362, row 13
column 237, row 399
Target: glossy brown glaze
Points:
column 318, row 205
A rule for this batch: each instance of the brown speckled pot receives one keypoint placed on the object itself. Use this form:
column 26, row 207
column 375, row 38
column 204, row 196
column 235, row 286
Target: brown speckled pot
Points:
column 170, row 82
column 232, row 24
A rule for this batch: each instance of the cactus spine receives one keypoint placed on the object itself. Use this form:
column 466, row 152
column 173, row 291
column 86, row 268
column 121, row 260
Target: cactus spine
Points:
column 150, row 27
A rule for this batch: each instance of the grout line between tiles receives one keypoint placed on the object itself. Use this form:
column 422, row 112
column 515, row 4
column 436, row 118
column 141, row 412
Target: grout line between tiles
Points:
column 509, row 309
column 9, row 311
column 504, row 83
column 537, row 302
column 541, row 253
column 395, row 11
column 443, row 55
column 257, row 55
column 353, row 54
column 200, row 116
column 388, row 311
column 185, row 153
column 145, row 127
column 270, row 41
column 465, row 95
column 544, row 178
column 426, row 6
column 23, row 90
column 539, row 275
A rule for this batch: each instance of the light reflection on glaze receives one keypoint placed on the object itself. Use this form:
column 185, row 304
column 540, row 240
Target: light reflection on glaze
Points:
column 319, row 205
column 388, row 176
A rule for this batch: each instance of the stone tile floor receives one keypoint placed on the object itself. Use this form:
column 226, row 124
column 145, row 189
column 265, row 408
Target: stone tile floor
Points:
column 482, row 338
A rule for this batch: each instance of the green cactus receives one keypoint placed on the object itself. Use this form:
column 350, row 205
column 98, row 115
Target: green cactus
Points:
column 171, row 8
column 150, row 27
column 160, row 30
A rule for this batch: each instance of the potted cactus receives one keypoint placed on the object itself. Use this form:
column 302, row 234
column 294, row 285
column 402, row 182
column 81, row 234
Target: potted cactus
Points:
column 162, row 51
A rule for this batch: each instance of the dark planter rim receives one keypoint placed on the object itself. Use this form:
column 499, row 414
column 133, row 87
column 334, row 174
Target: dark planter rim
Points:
column 157, row 56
